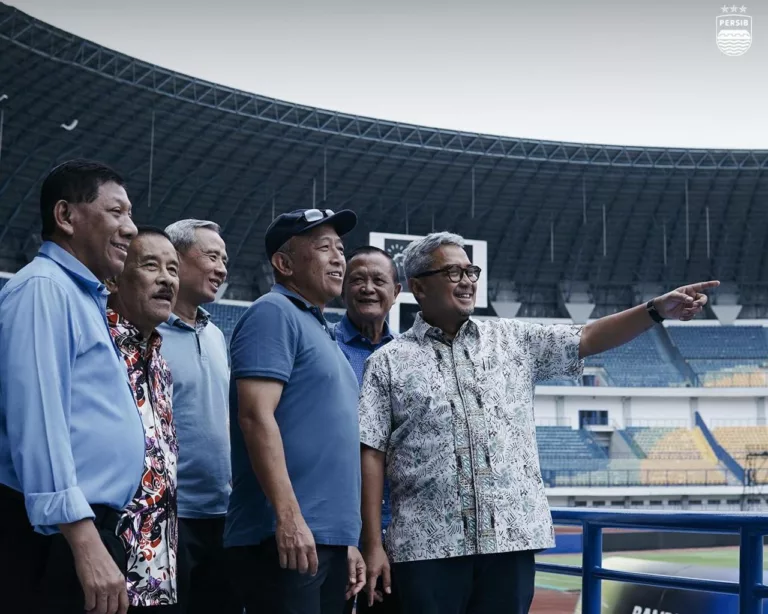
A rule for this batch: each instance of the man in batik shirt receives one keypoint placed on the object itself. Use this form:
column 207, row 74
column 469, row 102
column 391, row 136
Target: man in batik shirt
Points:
column 141, row 298
column 448, row 406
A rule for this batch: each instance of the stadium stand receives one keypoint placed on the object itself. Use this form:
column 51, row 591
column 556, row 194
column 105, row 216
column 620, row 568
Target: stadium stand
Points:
column 642, row 362
column 676, row 456
column 664, row 456
column 739, row 441
column 724, row 356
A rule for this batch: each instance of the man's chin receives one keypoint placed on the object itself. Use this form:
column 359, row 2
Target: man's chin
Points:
column 466, row 311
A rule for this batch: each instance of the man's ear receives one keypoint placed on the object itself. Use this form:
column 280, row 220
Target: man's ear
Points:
column 111, row 285
column 282, row 263
column 62, row 215
column 417, row 288
column 398, row 289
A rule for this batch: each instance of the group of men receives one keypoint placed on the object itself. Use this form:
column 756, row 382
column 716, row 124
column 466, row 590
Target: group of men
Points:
column 119, row 401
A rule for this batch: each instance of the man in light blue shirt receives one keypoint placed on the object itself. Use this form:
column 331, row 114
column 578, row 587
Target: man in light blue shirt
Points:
column 196, row 351
column 71, row 438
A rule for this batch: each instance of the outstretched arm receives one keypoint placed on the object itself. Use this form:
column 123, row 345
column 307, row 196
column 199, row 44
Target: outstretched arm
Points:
column 620, row 328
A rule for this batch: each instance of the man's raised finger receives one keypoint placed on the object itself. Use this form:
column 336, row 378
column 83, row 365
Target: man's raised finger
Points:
column 704, row 285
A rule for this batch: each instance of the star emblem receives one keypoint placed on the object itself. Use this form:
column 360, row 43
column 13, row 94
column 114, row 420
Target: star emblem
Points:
column 734, row 8
column 743, row 9
column 724, row 8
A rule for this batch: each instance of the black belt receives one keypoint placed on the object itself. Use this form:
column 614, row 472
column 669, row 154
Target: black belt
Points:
column 105, row 519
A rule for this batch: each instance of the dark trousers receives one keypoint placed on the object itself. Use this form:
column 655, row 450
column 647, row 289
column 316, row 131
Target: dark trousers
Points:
column 480, row 584
column 37, row 572
column 204, row 585
column 266, row 588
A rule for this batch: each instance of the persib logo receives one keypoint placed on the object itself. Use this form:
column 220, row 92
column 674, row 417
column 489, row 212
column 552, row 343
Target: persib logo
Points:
column 733, row 30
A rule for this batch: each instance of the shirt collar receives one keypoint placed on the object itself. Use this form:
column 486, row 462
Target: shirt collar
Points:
column 128, row 334
column 304, row 304
column 350, row 332
column 202, row 319
column 299, row 300
column 72, row 266
column 421, row 328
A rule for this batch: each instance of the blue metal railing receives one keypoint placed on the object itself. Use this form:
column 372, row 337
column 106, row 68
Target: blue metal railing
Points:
column 751, row 528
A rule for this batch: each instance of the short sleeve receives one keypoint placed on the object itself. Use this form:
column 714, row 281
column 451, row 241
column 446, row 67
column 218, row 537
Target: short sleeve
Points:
column 554, row 350
column 264, row 343
column 376, row 403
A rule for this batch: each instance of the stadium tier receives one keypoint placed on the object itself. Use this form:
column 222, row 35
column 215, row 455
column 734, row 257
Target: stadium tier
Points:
column 658, row 456
column 642, row 362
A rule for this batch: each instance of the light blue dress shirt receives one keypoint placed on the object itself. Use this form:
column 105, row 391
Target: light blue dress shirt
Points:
column 197, row 356
column 70, row 433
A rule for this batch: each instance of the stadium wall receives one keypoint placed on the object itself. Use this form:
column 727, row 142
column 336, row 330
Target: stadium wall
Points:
column 560, row 405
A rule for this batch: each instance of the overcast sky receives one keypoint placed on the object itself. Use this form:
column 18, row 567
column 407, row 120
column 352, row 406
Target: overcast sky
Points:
column 638, row 72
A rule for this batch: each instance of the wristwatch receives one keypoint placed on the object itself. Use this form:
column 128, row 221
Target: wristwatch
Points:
column 653, row 312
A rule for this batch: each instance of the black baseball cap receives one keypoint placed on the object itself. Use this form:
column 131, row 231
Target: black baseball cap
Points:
column 287, row 225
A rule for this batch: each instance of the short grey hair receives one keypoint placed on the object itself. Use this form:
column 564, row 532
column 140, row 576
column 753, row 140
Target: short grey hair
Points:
column 417, row 257
column 182, row 233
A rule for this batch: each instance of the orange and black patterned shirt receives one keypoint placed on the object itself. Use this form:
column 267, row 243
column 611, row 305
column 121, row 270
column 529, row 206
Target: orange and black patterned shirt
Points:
column 149, row 525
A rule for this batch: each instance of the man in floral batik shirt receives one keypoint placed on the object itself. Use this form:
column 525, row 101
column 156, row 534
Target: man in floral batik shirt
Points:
column 141, row 298
column 448, row 409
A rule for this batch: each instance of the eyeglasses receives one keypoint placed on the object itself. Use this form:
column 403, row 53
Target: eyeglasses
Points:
column 455, row 273
column 314, row 215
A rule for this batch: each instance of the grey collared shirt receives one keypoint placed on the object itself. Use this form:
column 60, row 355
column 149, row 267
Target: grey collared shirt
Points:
column 455, row 419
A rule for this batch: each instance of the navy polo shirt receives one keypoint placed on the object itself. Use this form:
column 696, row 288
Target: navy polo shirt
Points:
column 283, row 337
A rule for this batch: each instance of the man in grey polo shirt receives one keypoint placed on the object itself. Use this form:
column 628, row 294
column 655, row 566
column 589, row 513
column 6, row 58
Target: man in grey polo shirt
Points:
column 196, row 352
column 294, row 515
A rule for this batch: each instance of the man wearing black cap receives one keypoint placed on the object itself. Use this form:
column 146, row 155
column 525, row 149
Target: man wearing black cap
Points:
column 294, row 514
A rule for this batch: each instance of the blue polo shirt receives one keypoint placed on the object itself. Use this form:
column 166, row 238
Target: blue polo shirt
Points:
column 70, row 433
column 357, row 349
column 197, row 356
column 284, row 337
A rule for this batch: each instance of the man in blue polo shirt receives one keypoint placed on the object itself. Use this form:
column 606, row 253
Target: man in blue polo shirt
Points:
column 293, row 522
column 370, row 290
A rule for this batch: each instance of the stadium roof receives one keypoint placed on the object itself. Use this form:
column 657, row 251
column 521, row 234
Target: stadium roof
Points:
column 550, row 211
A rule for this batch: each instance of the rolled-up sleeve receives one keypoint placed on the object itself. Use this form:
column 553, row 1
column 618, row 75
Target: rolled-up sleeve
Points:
column 554, row 350
column 375, row 405
column 38, row 348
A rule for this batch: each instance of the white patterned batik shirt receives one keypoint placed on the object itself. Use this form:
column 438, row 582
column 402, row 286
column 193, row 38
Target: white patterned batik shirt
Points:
column 455, row 419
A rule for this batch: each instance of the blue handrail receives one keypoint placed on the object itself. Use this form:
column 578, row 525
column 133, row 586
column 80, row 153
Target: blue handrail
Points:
column 751, row 528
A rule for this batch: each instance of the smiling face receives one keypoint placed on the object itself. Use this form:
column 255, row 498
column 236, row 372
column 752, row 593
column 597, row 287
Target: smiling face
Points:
column 146, row 290
column 99, row 232
column 313, row 264
column 370, row 288
column 441, row 299
column 203, row 267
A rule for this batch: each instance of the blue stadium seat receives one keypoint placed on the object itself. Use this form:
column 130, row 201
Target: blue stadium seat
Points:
column 720, row 342
column 641, row 362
